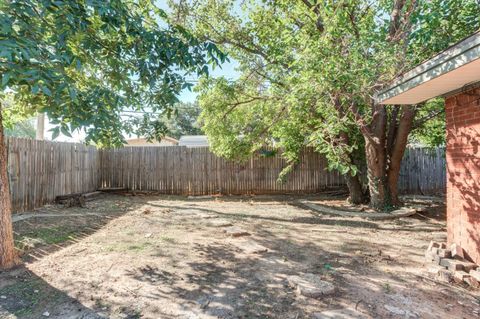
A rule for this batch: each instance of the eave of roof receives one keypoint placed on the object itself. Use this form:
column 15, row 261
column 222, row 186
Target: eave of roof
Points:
column 448, row 71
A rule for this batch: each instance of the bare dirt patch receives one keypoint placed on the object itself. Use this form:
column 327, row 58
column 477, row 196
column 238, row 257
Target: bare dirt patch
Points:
column 165, row 257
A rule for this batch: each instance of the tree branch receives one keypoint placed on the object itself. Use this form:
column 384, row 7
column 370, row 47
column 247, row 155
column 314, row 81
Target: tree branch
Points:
column 314, row 7
column 235, row 105
column 364, row 128
column 395, row 19
column 392, row 129
column 418, row 123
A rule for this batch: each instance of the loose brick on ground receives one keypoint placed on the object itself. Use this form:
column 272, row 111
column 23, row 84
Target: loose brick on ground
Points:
column 437, row 260
column 475, row 274
column 472, row 282
column 454, row 265
column 444, row 253
column 432, row 245
column 460, row 276
column 457, row 251
column 467, row 266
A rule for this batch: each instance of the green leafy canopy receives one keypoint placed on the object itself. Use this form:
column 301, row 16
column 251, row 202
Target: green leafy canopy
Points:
column 310, row 68
column 85, row 62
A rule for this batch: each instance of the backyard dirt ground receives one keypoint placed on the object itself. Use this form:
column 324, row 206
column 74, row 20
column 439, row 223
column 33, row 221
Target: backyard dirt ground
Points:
column 168, row 257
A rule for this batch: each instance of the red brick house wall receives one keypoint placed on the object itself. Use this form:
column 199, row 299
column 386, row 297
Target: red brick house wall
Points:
column 463, row 171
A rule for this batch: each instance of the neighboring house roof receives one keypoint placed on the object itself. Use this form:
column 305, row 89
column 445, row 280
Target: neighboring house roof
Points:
column 166, row 140
column 447, row 72
column 193, row 141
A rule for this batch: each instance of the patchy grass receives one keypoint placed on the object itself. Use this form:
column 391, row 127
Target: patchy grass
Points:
column 44, row 237
column 387, row 288
column 167, row 239
column 130, row 246
column 30, row 292
column 53, row 235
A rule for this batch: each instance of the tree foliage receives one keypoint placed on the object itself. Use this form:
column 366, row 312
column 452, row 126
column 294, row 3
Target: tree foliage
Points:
column 310, row 71
column 184, row 120
column 296, row 62
column 85, row 62
column 23, row 128
column 430, row 128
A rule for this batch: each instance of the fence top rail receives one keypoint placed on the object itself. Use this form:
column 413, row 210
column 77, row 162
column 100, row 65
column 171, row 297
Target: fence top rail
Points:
column 27, row 140
column 133, row 147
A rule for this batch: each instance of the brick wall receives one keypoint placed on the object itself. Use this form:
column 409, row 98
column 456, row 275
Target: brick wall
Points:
column 463, row 171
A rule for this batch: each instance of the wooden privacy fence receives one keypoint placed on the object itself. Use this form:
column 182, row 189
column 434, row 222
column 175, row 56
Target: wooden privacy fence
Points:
column 197, row 171
column 423, row 171
column 41, row 170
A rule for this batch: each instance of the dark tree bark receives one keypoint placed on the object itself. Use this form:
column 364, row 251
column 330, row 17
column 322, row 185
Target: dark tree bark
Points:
column 375, row 138
column 384, row 147
column 8, row 256
column 398, row 150
column 356, row 195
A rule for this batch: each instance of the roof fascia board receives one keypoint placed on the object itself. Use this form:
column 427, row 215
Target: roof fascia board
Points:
column 464, row 89
column 461, row 54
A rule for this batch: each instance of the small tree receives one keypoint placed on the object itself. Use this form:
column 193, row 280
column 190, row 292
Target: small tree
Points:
column 83, row 63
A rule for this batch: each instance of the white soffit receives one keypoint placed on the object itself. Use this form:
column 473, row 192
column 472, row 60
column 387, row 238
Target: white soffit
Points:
column 448, row 71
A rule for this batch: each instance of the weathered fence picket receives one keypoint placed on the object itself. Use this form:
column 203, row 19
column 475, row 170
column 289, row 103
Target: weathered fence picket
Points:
column 41, row 170
column 423, row 171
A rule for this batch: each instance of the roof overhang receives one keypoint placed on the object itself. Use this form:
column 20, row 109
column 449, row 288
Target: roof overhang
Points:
column 450, row 70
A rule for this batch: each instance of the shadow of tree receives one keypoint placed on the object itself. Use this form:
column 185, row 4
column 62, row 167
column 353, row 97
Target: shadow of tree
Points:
column 38, row 237
column 26, row 295
column 229, row 283
column 217, row 278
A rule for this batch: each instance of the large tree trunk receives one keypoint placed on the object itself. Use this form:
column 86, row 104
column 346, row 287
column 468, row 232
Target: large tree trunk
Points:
column 397, row 151
column 376, row 173
column 355, row 190
column 384, row 153
column 376, row 158
column 8, row 256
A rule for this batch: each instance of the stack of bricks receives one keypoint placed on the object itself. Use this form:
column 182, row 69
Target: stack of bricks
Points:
column 449, row 265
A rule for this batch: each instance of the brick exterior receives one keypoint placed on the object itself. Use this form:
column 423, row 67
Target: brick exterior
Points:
column 463, row 171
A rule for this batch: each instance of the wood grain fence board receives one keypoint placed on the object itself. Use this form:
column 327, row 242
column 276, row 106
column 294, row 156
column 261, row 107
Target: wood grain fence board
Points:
column 41, row 170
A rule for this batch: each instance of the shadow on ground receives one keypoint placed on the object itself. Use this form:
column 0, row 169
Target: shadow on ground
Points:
column 24, row 294
column 210, row 276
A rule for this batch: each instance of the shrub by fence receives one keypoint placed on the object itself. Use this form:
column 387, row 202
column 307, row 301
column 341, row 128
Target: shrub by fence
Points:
column 41, row 170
